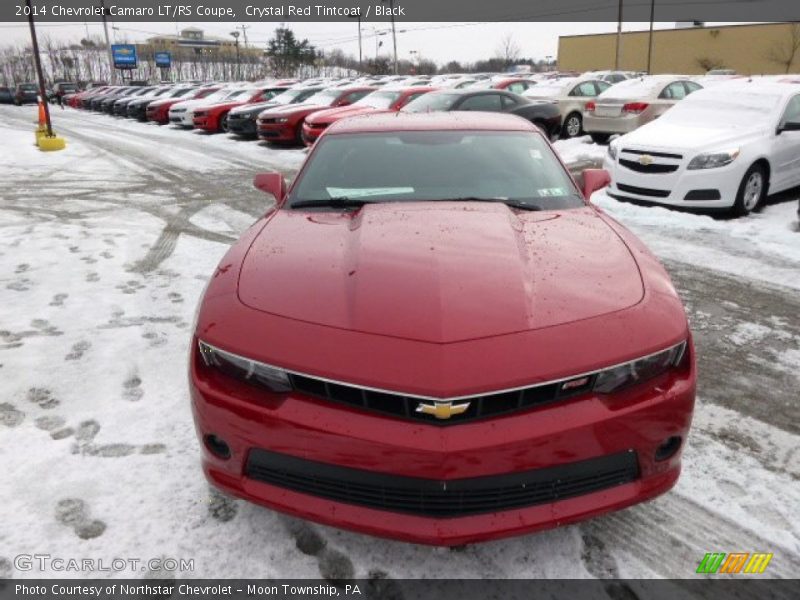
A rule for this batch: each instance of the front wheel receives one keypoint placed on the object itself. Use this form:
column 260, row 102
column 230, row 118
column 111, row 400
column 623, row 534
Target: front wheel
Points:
column 573, row 126
column 600, row 138
column 752, row 191
column 223, row 123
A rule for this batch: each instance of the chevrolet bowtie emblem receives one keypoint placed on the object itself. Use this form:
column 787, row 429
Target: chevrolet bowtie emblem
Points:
column 646, row 160
column 442, row 410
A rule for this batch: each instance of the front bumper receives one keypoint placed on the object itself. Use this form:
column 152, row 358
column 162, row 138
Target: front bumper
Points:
column 633, row 422
column 242, row 126
column 701, row 188
column 276, row 132
column 206, row 122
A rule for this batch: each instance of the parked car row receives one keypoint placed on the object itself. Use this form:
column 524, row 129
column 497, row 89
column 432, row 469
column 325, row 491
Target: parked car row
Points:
column 723, row 146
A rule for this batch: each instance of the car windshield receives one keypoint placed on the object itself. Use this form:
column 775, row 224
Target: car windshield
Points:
column 634, row 88
column 514, row 167
column 239, row 94
column 181, row 92
column 545, row 90
column 717, row 108
column 431, row 102
column 382, row 99
column 325, row 97
column 28, row 87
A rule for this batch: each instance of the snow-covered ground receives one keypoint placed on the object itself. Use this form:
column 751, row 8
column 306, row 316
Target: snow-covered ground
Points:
column 104, row 250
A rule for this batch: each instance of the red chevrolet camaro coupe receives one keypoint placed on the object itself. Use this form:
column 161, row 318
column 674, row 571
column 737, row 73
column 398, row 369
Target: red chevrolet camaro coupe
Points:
column 434, row 337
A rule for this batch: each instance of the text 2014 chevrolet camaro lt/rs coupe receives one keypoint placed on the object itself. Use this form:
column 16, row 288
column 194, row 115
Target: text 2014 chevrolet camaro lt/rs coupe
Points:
column 434, row 337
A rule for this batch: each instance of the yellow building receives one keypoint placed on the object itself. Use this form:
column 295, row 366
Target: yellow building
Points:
column 192, row 41
column 748, row 49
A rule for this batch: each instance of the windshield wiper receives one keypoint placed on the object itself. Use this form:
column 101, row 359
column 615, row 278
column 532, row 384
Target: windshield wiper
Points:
column 335, row 202
column 511, row 203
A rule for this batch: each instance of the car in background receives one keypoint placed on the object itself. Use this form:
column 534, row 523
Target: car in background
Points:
column 119, row 105
column 634, row 102
column 242, row 119
column 517, row 85
column 382, row 100
column 570, row 94
column 87, row 99
column 26, row 93
column 158, row 109
column 726, row 148
column 611, row 77
column 530, row 362
column 284, row 124
column 6, row 95
column 213, row 117
column 61, row 89
column 137, row 107
column 106, row 103
column 543, row 114
column 181, row 113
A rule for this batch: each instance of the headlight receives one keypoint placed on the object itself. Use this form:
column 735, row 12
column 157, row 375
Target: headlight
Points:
column 611, row 380
column 281, row 120
column 251, row 371
column 712, row 160
column 612, row 151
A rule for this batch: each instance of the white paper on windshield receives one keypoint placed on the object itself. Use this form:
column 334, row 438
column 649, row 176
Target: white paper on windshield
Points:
column 363, row 192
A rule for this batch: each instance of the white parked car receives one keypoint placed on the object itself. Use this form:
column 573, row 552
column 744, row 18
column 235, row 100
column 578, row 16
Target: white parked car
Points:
column 182, row 113
column 725, row 147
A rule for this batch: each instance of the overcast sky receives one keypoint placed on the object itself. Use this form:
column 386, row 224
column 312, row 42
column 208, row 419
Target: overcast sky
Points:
column 439, row 42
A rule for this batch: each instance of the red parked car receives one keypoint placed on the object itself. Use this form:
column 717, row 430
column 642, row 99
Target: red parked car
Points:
column 158, row 110
column 434, row 336
column 214, row 117
column 382, row 100
column 284, row 124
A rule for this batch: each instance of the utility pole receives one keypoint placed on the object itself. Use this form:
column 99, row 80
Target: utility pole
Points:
column 617, row 60
column 650, row 39
column 357, row 15
column 113, row 77
column 244, row 29
column 394, row 33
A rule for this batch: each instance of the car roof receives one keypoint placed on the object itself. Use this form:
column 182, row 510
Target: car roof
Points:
column 432, row 121
column 757, row 86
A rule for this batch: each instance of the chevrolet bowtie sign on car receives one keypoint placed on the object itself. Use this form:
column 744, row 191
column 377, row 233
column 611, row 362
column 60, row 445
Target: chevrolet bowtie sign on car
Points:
column 433, row 336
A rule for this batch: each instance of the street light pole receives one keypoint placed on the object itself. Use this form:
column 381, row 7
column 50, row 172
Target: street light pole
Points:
column 113, row 77
column 650, row 39
column 394, row 33
column 619, row 37
column 235, row 35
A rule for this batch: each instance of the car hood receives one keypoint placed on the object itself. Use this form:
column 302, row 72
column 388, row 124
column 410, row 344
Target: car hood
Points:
column 330, row 115
column 439, row 272
column 291, row 109
column 218, row 105
column 253, row 107
column 669, row 135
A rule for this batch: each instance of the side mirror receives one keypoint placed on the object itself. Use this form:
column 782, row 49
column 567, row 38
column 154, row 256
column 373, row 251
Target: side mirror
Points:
column 343, row 103
column 271, row 183
column 593, row 180
column 789, row 126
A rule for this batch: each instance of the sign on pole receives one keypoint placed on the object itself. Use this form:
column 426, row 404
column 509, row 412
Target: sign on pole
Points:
column 163, row 60
column 124, row 56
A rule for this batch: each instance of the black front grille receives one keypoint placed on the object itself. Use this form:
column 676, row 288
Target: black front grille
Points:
column 653, row 168
column 441, row 498
column 402, row 406
column 632, row 189
column 652, row 153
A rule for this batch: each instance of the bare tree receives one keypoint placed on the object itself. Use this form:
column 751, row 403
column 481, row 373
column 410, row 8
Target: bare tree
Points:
column 783, row 53
column 508, row 50
column 706, row 63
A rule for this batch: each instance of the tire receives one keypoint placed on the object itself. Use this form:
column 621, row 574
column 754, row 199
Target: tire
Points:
column 223, row 123
column 752, row 191
column 298, row 135
column 573, row 126
column 600, row 138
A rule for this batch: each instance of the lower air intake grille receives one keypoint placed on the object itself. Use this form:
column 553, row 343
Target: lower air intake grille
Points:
column 640, row 191
column 442, row 499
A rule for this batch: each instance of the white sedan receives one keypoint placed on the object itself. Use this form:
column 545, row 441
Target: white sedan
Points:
column 726, row 147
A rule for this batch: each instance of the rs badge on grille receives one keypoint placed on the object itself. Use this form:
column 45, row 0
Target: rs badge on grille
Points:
column 442, row 410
